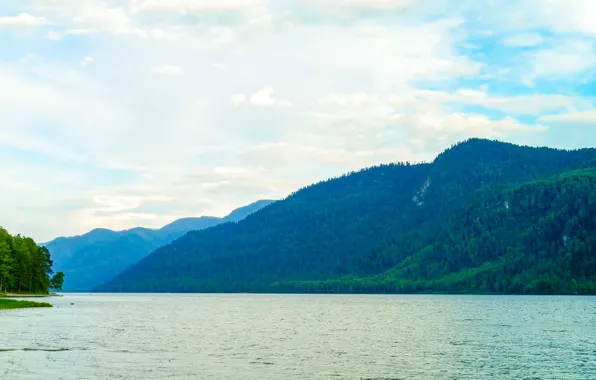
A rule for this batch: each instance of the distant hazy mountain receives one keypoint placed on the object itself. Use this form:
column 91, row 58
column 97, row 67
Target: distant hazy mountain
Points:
column 483, row 217
column 96, row 257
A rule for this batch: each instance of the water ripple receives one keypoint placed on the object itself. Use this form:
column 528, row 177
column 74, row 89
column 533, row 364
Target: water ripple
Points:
column 310, row 337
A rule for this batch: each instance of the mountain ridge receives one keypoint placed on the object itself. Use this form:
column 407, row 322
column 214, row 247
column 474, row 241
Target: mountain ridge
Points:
column 93, row 257
column 365, row 223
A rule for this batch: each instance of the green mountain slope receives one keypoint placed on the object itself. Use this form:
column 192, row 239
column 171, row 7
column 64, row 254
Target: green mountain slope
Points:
column 484, row 216
column 534, row 238
column 96, row 257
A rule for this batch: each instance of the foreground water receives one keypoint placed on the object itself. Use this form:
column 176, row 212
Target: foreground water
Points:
column 300, row 337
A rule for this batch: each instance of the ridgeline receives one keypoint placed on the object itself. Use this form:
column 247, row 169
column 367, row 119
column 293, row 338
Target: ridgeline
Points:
column 96, row 257
column 483, row 217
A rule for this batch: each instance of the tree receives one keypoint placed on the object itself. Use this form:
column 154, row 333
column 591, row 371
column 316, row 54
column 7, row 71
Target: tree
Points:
column 25, row 267
column 57, row 281
column 6, row 263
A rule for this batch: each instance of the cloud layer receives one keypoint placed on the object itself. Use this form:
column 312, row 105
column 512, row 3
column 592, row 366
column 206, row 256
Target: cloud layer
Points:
column 136, row 112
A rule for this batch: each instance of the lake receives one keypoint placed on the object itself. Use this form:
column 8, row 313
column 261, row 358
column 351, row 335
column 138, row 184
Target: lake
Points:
column 282, row 337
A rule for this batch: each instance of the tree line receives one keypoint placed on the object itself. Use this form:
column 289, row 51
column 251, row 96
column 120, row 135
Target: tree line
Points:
column 26, row 267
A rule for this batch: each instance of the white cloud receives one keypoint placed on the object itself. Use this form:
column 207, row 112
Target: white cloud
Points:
column 400, row 54
column 220, row 35
column 460, row 124
column 523, row 40
column 87, row 61
column 22, row 20
column 238, row 98
column 75, row 17
column 92, row 16
column 55, row 35
column 158, row 33
column 226, row 170
column 514, row 104
column 384, row 4
column 566, row 16
column 189, row 6
column 277, row 156
column 264, row 98
column 522, row 16
column 337, row 6
column 424, row 120
column 111, row 203
column 168, row 70
column 568, row 58
column 355, row 99
column 583, row 117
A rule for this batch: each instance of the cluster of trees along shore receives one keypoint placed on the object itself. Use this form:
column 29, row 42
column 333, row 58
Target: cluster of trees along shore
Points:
column 26, row 267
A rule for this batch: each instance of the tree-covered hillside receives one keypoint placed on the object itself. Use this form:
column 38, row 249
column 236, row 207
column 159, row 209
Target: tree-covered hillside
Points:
column 485, row 216
column 93, row 258
column 25, row 267
column 534, row 238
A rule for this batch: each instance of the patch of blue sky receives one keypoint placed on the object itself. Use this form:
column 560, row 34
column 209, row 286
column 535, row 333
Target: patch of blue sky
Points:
column 512, row 85
column 10, row 50
column 587, row 85
column 10, row 8
column 527, row 119
column 508, row 65
column 15, row 47
column 71, row 46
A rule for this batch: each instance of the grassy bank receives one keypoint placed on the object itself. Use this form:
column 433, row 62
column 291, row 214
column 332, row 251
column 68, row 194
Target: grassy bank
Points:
column 17, row 304
column 27, row 295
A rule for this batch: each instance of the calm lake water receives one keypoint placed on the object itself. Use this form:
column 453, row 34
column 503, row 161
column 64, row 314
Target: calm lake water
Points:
column 300, row 337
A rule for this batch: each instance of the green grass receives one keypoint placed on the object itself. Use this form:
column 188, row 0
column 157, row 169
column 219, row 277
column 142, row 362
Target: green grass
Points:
column 26, row 295
column 15, row 304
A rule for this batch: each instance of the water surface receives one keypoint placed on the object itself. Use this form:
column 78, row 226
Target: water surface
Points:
column 300, row 337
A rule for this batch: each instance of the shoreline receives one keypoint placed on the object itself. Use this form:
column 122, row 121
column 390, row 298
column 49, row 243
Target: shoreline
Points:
column 27, row 295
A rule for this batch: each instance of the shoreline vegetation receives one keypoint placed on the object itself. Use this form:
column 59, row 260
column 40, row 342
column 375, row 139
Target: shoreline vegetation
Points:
column 28, row 295
column 26, row 268
column 25, row 272
column 6, row 304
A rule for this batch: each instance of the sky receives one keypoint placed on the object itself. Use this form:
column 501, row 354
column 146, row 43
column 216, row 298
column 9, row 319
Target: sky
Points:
column 122, row 113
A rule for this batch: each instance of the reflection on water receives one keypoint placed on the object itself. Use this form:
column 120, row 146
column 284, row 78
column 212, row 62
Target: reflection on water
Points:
column 300, row 337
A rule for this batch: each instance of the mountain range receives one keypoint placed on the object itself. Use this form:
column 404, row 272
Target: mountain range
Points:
column 94, row 258
column 483, row 217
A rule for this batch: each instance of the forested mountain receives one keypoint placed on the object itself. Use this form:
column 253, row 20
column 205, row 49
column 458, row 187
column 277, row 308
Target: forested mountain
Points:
column 25, row 267
column 484, row 216
column 96, row 257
